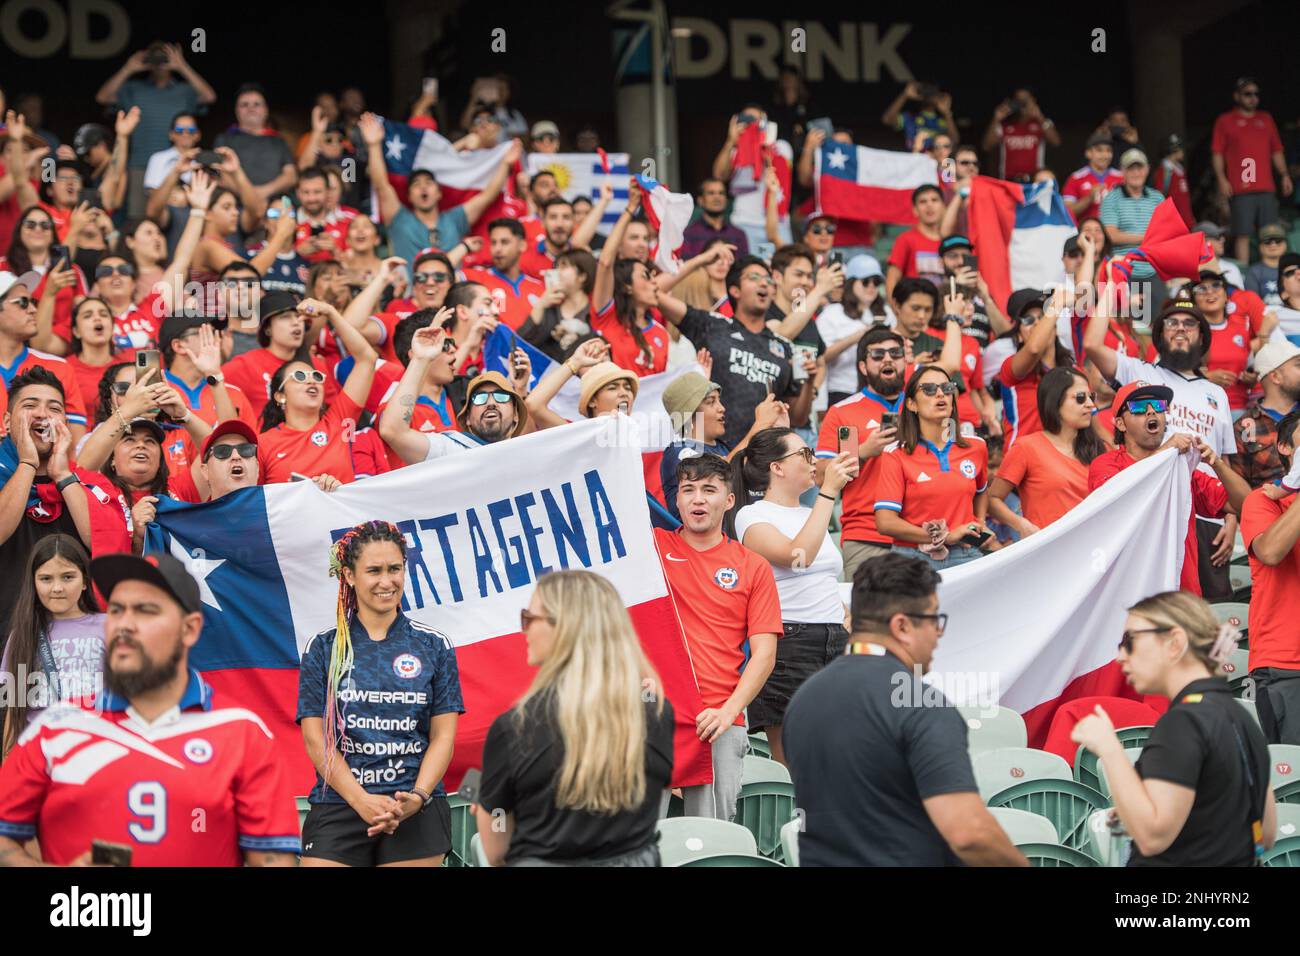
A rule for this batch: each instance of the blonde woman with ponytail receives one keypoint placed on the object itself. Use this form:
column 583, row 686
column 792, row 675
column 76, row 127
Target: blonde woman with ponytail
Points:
column 574, row 773
column 1199, row 794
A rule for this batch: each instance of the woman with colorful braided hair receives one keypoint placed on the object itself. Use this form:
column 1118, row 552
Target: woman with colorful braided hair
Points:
column 378, row 700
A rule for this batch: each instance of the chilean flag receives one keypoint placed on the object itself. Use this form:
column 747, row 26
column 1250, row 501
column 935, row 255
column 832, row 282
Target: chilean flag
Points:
column 669, row 214
column 261, row 557
column 1018, row 233
column 461, row 175
column 1122, row 543
column 870, row 185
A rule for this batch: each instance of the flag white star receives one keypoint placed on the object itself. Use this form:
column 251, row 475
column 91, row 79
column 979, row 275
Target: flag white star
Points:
column 1044, row 198
column 838, row 159
column 395, row 147
column 200, row 567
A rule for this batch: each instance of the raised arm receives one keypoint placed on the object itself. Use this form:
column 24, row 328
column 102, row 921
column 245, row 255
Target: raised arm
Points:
column 395, row 422
column 722, row 162
column 603, row 289
column 113, row 188
column 177, row 64
column 362, row 376
column 586, row 230
column 829, row 278
column 199, row 193
column 805, row 167
column 802, row 550
column 285, row 228
column 892, row 111
column 156, row 206
column 372, row 132
column 107, row 95
column 15, row 159
column 1039, row 342
column 1094, row 333
column 477, row 204
column 319, row 121
column 45, row 339
column 584, row 356
column 366, row 302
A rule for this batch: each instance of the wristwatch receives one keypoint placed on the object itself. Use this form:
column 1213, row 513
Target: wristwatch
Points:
column 70, row 480
column 215, row 380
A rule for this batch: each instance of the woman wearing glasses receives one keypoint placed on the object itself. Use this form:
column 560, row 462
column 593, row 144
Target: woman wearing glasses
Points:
column 932, row 490
column 843, row 323
column 768, row 476
column 1049, row 469
column 574, row 773
column 301, row 436
column 1238, row 329
column 33, row 248
column 1199, row 794
column 1038, row 351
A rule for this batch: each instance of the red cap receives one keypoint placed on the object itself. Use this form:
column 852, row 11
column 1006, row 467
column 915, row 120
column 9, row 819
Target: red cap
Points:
column 1147, row 390
column 231, row 426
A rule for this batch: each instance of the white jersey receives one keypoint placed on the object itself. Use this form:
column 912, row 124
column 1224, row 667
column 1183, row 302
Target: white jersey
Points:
column 1199, row 407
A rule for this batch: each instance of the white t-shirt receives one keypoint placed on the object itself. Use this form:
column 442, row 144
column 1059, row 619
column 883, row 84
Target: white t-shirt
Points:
column 442, row 444
column 833, row 323
column 1199, row 407
column 160, row 164
column 995, row 353
column 809, row 595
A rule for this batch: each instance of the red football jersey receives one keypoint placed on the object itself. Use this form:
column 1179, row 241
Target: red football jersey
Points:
column 74, row 406
column 76, row 776
column 1020, row 148
column 1083, row 181
column 514, row 300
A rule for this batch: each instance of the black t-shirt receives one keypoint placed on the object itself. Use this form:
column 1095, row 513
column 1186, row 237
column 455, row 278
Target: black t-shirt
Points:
column 15, row 552
column 808, row 335
column 521, row 766
column 746, row 365
column 1208, row 742
column 866, row 742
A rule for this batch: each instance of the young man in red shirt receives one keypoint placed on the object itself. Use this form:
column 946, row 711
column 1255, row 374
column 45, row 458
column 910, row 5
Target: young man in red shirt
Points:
column 1245, row 150
column 726, row 599
column 916, row 252
column 133, row 768
column 320, row 234
column 1018, row 130
column 1140, row 410
column 17, row 328
column 1084, row 190
column 514, row 293
column 1270, row 528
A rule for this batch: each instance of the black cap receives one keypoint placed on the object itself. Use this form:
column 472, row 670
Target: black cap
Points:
column 272, row 304
column 161, row 570
column 1071, row 246
column 88, row 136
column 1288, row 260
column 1022, row 299
column 153, row 426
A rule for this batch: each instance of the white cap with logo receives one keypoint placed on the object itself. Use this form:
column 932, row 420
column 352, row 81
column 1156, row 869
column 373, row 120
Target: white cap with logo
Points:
column 1275, row 353
column 28, row 280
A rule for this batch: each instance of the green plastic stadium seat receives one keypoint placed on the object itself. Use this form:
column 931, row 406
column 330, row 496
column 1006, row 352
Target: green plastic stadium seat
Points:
column 1106, row 847
column 463, row 827
column 1103, row 787
column 304, row 807
column 1236, row 671
column 733, row 859
column 762, row 770
column 1288, row 820
column 682, row 839
column 790, row 842
column 1067, row 803
column 1234, row 613
column 1053, row 854
column 1085, row 762
column 1005, row 728
column 1284, row 853
column 1284, row 763
column 1250, row 709
column 1022, row 826
column 758, row 745
column 1287, row 793
column 765, row 803
column 1239, row 578
column 477, row 855
column 995, row 770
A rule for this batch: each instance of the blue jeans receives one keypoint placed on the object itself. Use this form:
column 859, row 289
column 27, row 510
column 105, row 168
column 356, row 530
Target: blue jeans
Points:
column 957, row 554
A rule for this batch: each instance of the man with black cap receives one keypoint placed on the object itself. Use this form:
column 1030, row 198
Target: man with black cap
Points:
column 153, row 753
column 1082, row 192
column 1140, row 410
column 191, row 354
column 281, row 333
column 1182, row 338
column 1261, row 277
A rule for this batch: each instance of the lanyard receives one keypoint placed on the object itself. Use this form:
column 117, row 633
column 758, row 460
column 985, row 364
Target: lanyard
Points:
column 865, row 647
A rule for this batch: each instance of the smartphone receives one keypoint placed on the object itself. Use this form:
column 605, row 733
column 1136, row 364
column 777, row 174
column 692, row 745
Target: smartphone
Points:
column 430, row 86
column 837, row 258
column 801, row 354
column 470, row 784
column 971, row 262
column 765, row 250
column 146, row 359
column 317, row 229
column 889, row 420
column 848, row 439
column 104, row 853
column 92, row 198
column 976, row 539
column 824, row 124
column 272, row 212
column 552, row 278
column 208, row 157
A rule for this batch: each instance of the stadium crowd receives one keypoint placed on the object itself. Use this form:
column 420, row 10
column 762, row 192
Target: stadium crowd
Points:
column 187, row 321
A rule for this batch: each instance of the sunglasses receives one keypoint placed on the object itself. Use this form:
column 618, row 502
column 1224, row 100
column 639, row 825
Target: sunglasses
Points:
column 807, row 453
column 246, row 449
column 879, row 355
column 1126, row 642
column 481, row 398
column 423, row 277
column 22, row 301
column 105, row 272
column 932, row 389
column 1144, row 405
column 827, row 229
column 182, row 130
column 1271, row 240
column 1201, row 288
column 1185, row 324
column 873, row 281
column 121, row 388
column 43, row 225
column 526, row 618
column 315, row 376
column 248, row 281
column 1081, row 397
column 1288, row 273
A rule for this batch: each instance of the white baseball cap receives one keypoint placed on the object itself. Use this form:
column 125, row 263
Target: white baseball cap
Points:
column 1273, row 354
column 28, row 280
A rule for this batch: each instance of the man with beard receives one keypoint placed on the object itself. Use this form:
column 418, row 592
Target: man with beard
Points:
column 559, row 234
column 164, row 750
column 514, row 292
column 320, row 235
column 1182, row 337
column 713, row 222
column 280, row 333
column 493, row 411
column 1140, row 419
column 873, row 414
column 1278, row 366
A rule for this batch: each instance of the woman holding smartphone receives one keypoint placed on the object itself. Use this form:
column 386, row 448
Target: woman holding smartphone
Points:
column 378, row 701
column 932, row 490
column 769, row 475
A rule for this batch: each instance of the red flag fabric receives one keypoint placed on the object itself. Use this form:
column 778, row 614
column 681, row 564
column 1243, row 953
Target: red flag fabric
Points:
column 1166, row 246
column 749, row 150
column 991, row 212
